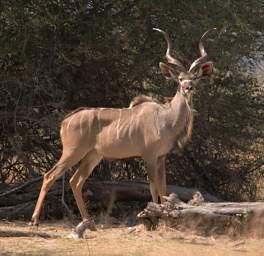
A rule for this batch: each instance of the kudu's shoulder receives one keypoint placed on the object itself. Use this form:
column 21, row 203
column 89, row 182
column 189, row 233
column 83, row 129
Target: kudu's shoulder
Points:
column 142, row 99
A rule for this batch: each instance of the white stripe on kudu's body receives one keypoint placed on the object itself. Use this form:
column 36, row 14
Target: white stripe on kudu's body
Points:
column 146, row 129
column 69, row 123
column 130, row 125
column 118, row 124
column 81, row 129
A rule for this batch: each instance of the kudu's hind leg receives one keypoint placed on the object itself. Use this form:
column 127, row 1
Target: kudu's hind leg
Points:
column 77, row 181
column 65, row 162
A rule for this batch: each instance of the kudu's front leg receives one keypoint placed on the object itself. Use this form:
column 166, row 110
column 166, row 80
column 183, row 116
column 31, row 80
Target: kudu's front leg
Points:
column 161, row 178
column 152, row 169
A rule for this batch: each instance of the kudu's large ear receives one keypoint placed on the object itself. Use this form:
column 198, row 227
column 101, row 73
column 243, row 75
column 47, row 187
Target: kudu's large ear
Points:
column 205, row 69
column 167, row 71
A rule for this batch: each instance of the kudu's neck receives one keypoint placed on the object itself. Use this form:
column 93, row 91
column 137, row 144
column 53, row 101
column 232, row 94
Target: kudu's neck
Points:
column 181, row 99
column 182, row 113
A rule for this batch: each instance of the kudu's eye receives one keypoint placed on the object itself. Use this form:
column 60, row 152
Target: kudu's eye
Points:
column 180, row 79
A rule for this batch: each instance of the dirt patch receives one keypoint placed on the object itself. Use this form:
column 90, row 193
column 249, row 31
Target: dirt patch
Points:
column 16, row 238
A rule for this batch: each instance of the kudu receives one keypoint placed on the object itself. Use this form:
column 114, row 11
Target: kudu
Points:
column 147, row 129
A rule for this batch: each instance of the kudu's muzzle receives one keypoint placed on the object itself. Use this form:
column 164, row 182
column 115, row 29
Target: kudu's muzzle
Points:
column 187, row 85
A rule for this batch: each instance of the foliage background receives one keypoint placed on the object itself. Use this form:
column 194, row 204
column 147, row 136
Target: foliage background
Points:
column 61, row 54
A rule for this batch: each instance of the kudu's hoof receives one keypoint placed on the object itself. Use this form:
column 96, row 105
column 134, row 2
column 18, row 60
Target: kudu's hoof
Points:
column 86, row 224
column 32, row 224
column 75, row 235
column 81, row 227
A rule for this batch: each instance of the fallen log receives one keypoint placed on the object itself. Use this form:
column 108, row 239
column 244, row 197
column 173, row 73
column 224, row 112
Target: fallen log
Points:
column 136, row 191
column 206, row 218
column 17, row 211
column 15, row 201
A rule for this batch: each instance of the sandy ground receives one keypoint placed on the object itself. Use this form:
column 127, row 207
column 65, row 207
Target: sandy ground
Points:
column 16, row 238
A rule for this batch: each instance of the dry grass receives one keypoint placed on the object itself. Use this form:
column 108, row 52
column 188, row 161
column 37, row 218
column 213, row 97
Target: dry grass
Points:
column 16, row 238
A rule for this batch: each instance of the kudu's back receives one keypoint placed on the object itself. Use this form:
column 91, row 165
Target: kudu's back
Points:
column 122, row 133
